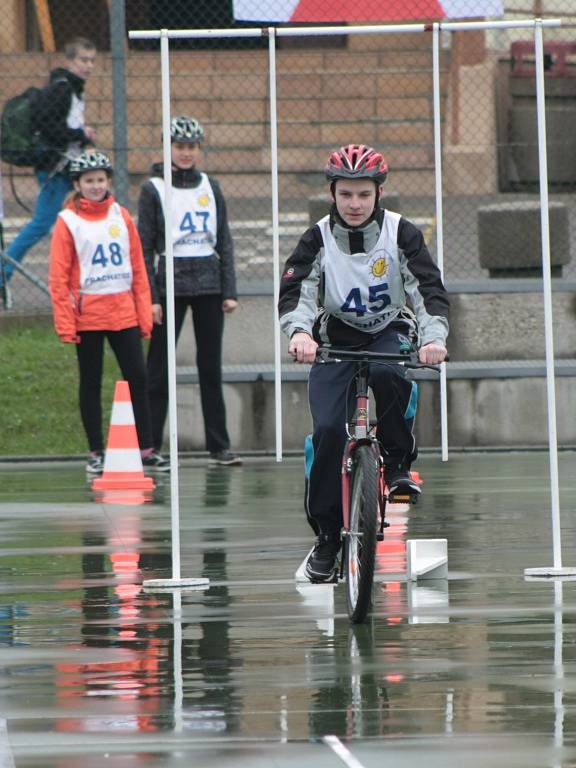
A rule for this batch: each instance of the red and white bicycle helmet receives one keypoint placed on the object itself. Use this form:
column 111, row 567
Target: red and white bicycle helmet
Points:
column 356, row 161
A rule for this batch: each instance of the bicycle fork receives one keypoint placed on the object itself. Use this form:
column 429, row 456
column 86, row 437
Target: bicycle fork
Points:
column 347, row 464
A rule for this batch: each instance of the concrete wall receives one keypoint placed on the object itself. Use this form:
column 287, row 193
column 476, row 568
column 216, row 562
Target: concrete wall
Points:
column 485, row 326
column 482, row 412
column 509, row 326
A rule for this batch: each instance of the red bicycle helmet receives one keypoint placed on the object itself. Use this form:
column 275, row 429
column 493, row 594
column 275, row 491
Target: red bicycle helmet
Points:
column 356, row 161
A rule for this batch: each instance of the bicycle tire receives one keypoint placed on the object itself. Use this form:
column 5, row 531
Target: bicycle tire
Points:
column 360, row 549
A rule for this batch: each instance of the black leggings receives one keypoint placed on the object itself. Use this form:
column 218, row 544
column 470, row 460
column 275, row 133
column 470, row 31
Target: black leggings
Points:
column 208, row 320
column 127, row 348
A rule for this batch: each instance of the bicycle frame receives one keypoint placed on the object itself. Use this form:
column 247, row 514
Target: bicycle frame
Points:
column 359, row 434
column 363, row 489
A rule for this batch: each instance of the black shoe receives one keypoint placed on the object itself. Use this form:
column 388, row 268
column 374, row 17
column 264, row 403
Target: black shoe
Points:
column 225, row 459
column 156, row 462
column 400, row 483
column 322, row 565
column 95, row 464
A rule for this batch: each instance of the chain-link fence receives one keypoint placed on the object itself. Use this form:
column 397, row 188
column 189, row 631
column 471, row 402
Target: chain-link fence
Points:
column 331, row 90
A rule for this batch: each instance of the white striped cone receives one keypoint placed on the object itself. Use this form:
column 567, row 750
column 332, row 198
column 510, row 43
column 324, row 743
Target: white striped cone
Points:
column 122, row 463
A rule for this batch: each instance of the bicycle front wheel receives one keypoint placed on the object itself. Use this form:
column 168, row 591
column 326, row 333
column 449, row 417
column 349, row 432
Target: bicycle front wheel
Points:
column 361, row 539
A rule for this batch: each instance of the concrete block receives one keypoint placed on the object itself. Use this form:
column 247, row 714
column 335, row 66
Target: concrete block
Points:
column 560, row 143
column 474, row 318
column 426, row 559
column 509, row 238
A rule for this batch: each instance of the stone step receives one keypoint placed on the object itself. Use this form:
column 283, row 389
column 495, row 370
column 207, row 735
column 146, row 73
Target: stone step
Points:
column 487, row 406
column 476, row 369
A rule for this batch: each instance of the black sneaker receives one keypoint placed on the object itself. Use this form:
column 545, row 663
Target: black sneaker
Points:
column 95, row 464
column 225, row 459
column 156, row 462
column 322, row 565
column 400, row 483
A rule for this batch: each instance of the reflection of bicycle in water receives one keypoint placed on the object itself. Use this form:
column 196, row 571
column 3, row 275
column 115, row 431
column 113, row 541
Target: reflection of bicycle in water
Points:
column 351, row 698
column 364, row 491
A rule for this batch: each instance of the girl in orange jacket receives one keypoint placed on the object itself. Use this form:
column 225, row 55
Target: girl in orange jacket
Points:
column 99, row 289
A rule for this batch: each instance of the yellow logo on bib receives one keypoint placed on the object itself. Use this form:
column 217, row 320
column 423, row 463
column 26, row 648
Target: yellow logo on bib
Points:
column 379, row 267
column 114, row 230
column 203, row 200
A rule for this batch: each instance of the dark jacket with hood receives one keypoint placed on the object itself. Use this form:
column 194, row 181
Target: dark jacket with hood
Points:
column 51, row 117
column 213, row 275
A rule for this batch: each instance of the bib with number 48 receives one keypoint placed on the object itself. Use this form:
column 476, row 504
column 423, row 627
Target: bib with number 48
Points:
column 103, row 249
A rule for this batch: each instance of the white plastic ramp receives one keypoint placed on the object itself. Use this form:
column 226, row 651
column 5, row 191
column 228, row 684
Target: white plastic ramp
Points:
column 426, row 559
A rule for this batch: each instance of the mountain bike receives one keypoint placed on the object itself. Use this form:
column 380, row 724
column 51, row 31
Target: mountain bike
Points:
column 364, row 490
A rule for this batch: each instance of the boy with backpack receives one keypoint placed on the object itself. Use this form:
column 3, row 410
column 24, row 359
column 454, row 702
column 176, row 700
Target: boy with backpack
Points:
column 59, row 118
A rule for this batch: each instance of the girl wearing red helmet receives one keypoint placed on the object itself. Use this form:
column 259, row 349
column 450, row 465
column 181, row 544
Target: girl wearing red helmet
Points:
column 347, row 284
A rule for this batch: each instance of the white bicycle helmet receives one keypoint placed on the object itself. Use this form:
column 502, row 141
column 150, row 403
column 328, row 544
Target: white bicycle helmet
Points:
column 90, row 160
column 186, row 129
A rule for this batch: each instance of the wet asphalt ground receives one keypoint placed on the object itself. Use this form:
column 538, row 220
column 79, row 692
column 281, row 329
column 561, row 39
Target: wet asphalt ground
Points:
column 259, row 670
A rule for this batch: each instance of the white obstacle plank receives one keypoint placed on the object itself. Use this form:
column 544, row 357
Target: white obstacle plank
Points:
column 426, row 559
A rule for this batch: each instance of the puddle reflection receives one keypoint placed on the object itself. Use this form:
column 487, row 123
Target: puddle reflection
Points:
column 165, row 673
column 350, row 698
column 86, row 651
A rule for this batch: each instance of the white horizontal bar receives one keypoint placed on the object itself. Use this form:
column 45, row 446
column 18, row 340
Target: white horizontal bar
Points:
column 462, row 26
column 153, row 34
column 344, row 30
column 451, row 26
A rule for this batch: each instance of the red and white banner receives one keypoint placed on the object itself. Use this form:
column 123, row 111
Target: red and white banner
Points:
column 335, row 11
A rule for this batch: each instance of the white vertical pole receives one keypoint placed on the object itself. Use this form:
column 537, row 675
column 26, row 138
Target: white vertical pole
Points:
column 439, row 219
column 275, row 237
column 177, row 661
column 169, row 319
column 547, row 283
column 559, row 710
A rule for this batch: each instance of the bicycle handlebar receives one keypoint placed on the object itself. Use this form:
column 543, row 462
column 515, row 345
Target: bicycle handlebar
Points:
column 406, row 359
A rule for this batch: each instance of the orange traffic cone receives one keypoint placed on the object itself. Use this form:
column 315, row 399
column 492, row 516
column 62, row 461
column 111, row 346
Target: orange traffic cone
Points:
column 122, row 462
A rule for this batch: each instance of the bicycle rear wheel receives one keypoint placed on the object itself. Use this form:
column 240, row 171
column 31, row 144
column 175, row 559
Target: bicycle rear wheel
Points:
column 360, row 550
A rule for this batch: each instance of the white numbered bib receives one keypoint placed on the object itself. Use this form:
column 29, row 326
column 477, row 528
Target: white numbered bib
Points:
column 103, row 249
column 194, row 226
column 364, row 290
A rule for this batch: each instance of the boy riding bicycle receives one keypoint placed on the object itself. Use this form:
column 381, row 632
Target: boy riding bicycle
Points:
column 346, row 285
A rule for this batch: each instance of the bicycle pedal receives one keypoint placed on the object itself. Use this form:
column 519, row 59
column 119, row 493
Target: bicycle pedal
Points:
column 403, row 498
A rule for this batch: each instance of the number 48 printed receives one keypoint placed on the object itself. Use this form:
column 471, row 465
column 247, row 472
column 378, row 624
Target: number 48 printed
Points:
column 115, row 255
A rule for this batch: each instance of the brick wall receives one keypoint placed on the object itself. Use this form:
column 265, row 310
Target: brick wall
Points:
column 377, row 90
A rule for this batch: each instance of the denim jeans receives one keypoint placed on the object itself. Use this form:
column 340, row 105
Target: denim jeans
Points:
column 53, row 191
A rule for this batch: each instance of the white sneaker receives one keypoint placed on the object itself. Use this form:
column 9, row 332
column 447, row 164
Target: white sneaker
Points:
column 7, row 298
column 95, row 464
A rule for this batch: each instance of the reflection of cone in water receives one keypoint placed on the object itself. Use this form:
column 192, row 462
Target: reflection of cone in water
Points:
column 122, row 463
